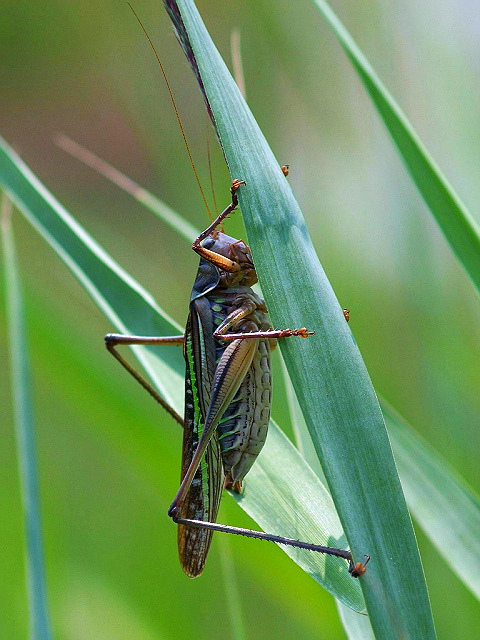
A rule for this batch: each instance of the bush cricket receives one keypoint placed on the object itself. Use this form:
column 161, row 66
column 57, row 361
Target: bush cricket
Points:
column 226, row 345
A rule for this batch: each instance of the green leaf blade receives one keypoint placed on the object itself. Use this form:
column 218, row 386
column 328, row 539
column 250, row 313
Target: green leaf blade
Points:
column 340, row 406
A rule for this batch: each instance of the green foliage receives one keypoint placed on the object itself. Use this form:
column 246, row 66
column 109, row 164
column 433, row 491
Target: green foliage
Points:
column 39, row 623
column 108, row 460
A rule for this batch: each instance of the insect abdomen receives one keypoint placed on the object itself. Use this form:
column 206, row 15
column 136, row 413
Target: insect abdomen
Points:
column 243, row 428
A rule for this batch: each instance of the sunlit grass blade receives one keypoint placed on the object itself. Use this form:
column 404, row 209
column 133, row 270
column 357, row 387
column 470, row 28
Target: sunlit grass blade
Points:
column 327, row 371
column 131, row 309
column 39, row 621
column 446, row 508
column 459, row 227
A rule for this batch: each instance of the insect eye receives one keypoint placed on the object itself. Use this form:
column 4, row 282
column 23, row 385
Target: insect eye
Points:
column 208, row 242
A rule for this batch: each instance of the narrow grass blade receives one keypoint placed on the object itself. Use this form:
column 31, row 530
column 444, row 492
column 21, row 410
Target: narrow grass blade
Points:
column 25, row 437
column 141, row 195
column 130, row 308
column 327, row 371
column 459, row 227
column 446, row 508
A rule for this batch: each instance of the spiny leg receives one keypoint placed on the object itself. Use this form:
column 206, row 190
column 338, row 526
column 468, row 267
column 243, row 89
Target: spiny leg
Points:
column 247, row 308
column 113, row 339
column 355, row 569
column 268, row 334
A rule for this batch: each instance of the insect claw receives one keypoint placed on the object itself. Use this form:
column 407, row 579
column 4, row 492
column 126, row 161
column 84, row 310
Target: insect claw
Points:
column 303, row 333
column 358, row 569
column 236, row 184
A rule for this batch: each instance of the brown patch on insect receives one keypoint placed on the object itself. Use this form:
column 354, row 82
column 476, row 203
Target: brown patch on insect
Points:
column 360, row 568
column 236, row 184
column 302, row 333
column 346, row 313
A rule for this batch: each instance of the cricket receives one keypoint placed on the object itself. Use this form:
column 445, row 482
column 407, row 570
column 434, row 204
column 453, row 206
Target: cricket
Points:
column 228, row 385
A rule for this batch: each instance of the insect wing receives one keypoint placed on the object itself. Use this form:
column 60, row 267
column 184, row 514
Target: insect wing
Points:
column 203, row 497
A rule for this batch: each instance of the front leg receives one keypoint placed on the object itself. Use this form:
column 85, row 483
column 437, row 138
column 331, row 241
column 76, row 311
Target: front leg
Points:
column 246, row 309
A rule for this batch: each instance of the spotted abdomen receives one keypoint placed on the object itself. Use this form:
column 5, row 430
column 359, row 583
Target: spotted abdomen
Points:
column 243, row 428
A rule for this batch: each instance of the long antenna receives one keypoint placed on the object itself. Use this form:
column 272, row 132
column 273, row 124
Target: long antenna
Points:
column 174, row 108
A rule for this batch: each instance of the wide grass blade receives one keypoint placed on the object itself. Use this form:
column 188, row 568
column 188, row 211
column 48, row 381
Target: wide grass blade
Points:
column 459, row 227
column 130, row 308
column 327, row 371
column 39, row 621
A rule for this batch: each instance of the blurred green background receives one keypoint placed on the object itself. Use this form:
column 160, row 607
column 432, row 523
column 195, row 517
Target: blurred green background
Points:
column 109, row 459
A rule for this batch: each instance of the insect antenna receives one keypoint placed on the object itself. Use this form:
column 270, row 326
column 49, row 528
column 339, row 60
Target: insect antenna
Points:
column 177, row 114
